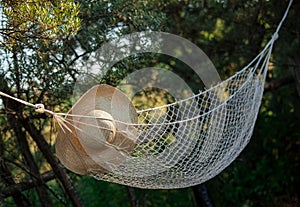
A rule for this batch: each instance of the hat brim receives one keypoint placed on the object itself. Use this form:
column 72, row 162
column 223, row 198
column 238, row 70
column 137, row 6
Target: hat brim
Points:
column 72, row 154
column 77, row 153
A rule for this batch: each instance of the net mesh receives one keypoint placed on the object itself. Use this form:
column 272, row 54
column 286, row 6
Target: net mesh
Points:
column 189, row 141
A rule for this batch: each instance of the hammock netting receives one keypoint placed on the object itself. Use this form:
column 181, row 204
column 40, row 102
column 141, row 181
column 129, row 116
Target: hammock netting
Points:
column 190, row 141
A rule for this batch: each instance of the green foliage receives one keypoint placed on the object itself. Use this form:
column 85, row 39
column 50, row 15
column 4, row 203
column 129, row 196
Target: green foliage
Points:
column 99, row 193
column 40, row 20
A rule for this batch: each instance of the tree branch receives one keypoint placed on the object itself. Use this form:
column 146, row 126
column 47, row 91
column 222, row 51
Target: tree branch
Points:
column 42, row 145
column 59, row 171
column 277, row 83
column 30, row 162
column 19, row 199
column 26, row 185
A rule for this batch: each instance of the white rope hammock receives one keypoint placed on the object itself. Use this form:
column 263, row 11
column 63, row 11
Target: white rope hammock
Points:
column 172, row 146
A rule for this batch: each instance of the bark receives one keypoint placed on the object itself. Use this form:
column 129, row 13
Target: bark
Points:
column 33, row 168
column 14, row 122
column 201, row 196
column 19, row 199
column 58, row 170
column 43, row 146
column 26, row 184
column 131, row 195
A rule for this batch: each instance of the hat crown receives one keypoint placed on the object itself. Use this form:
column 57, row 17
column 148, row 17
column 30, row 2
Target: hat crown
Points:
column 98, row 124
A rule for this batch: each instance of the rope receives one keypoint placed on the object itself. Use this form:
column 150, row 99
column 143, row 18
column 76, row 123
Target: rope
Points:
column 283, row 18
column 38, row 107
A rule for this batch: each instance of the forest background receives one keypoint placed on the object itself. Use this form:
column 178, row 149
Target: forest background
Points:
column 42, row 43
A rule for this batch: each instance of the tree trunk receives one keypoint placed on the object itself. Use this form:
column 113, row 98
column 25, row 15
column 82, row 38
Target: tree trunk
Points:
column 19, row 199
column 201, row 196
column 43, row 146
column 58, row 170
column 131, row 195
column 33, row 168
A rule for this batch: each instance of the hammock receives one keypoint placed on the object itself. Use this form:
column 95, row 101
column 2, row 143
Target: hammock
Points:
column 194, row 141
column 210, row 130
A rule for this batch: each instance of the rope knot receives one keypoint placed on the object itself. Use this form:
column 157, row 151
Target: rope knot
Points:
column 275, row 36
column 40, row 108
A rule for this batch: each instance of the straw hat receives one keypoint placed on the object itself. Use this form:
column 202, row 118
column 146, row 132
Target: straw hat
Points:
column 96, row 136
